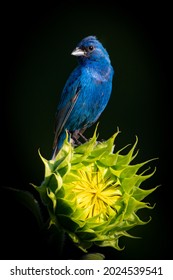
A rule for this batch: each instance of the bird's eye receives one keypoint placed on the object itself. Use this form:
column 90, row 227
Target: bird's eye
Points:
column 90, row 48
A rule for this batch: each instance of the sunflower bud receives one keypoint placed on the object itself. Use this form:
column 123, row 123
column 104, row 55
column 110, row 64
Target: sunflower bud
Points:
column 93, row 193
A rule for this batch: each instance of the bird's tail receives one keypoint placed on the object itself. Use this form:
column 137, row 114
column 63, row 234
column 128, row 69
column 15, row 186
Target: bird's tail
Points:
column 55, row 152
column 58, row 145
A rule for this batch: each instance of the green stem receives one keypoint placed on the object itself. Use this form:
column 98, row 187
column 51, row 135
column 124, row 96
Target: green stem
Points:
column 56, row 241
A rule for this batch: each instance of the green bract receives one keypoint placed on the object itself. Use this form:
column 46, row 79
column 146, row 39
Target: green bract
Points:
column 93, row 193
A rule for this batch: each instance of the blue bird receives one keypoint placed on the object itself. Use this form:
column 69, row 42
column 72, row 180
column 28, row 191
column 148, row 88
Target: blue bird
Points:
column 86, row 92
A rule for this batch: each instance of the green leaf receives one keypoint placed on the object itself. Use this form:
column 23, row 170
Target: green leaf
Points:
column 128, row 184
column 131, row 170
column 93, row 256
column 48, row 165
column 83, row 245
column 63, row 207
column 110, row 242
column 55, row 182
column 143, row 177
column 126, row 159
column 82, row 152
column 67, row 223
column 64, row 151
column 42, row 190
column 140, row 194
column 133, row 206
column 28, row 200
column 109, row 160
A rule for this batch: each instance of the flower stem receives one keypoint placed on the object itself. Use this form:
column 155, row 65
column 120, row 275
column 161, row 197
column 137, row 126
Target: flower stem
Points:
column 55, row 241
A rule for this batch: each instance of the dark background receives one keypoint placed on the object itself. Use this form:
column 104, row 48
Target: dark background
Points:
column 36, row 43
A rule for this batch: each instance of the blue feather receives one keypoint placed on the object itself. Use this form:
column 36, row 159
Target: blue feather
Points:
column 86, row 92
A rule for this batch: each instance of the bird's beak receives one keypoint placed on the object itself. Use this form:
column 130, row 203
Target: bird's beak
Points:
column 78, row 52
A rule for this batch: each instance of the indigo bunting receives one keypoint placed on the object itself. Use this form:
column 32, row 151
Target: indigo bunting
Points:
column 86, row 92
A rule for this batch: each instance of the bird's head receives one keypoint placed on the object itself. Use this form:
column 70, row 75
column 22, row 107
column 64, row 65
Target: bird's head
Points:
column 90, row 49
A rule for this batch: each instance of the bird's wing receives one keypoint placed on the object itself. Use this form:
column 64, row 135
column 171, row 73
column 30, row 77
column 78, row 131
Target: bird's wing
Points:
column 63, row 112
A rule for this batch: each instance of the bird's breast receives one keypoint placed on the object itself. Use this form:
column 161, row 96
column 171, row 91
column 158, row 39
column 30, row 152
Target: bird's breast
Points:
column 101, row 75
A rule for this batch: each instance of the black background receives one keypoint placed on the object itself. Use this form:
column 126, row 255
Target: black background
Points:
column 36, row 42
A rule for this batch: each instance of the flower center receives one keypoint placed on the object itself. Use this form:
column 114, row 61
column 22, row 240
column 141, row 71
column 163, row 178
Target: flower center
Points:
column 97, row 192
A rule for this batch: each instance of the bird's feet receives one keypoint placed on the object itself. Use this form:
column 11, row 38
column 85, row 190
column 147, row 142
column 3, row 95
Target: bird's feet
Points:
column 83, row 137
column 75, row 137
